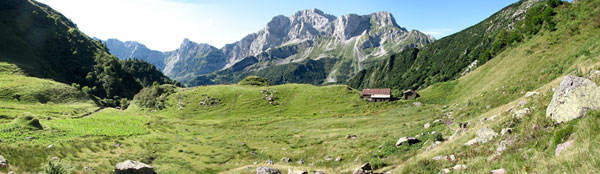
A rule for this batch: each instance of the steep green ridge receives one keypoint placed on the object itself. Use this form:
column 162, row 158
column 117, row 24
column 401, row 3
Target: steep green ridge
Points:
column 44, row 43
column 444, row 59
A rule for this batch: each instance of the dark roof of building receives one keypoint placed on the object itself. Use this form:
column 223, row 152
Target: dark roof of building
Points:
column 384, row 91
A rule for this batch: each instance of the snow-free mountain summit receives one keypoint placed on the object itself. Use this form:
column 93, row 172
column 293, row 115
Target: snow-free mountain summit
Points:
column 352, row 41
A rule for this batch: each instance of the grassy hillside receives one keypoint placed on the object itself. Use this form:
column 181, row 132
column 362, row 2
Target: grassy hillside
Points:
column 43, row 43
column 535, row 65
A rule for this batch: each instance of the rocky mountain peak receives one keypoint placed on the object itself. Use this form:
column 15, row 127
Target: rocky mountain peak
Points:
column 187, row 43
column 383, row 19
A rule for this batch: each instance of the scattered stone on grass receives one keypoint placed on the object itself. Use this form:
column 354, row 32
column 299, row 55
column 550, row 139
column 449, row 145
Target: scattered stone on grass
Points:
column 133, row 167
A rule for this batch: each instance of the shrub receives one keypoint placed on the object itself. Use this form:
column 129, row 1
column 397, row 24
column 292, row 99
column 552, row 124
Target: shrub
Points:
column 54, row 168
column 153, row 97
column 29, row 121
column 254, row 81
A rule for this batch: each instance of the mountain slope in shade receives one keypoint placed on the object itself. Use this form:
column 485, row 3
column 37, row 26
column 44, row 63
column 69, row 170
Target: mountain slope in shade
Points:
column 44, row 43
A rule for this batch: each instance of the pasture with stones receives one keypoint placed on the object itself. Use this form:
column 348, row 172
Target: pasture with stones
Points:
column 508, row 105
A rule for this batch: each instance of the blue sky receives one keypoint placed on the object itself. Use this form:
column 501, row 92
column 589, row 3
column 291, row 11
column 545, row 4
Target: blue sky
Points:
column 163, row 24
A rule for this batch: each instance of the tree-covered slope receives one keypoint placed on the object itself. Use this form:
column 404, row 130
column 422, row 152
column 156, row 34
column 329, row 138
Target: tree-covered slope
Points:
column 44, row 43
column 446, row 58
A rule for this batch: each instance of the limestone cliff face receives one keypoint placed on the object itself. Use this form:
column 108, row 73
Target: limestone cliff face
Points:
column 314, row 25
column 307, row 34
column 132, row 49
column 192, row 59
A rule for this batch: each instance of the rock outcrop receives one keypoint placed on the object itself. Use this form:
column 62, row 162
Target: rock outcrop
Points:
column 3, row 161
column 133, row 167
column 294, row 171
column 405, row 140
column 484, row 135
column 562, row 147
column 364, row 169
column 573, row 98
column 267, row 170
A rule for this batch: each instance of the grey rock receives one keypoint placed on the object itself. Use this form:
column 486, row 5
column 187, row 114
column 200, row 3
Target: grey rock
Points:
column 562, row 147
column 452, row 158
column 506, row 131
column 483, row 136
column 521, row 113
column 573, row 98
column 301, row 161
column 498, row 171
column 328, row 158
column 267, row 170
column 3, row 161
column 133, row 167
column 286, row 160
column 531, row 94
column 294, row 171
column 459, row 167
column 503, row 145
column 522, row 103
column 418, row 104
column 409, row 140
column 319, row 172
column 444, row 171
column 338, row 159
column 427, row 125
column 11, row 172
column 437, row 121
column 594, row 75
column 440, row 157
column 364, row 169
column 269, row 162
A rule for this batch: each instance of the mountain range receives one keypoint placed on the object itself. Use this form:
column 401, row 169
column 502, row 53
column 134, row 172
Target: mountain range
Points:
column 353, row 41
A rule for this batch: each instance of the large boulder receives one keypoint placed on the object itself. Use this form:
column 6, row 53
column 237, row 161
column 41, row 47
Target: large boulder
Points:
column 409, row 140
column 293, row 171
column 3, row 161
column 133, row 167
column 364, row 169
column 483, row 136
column 573, row 98
column 562, row 147
column 267, row 170
column 498, row 171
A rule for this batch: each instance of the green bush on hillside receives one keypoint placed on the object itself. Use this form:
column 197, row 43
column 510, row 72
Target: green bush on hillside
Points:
column 29, row 121
column 154, row 97
column 254, row 81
